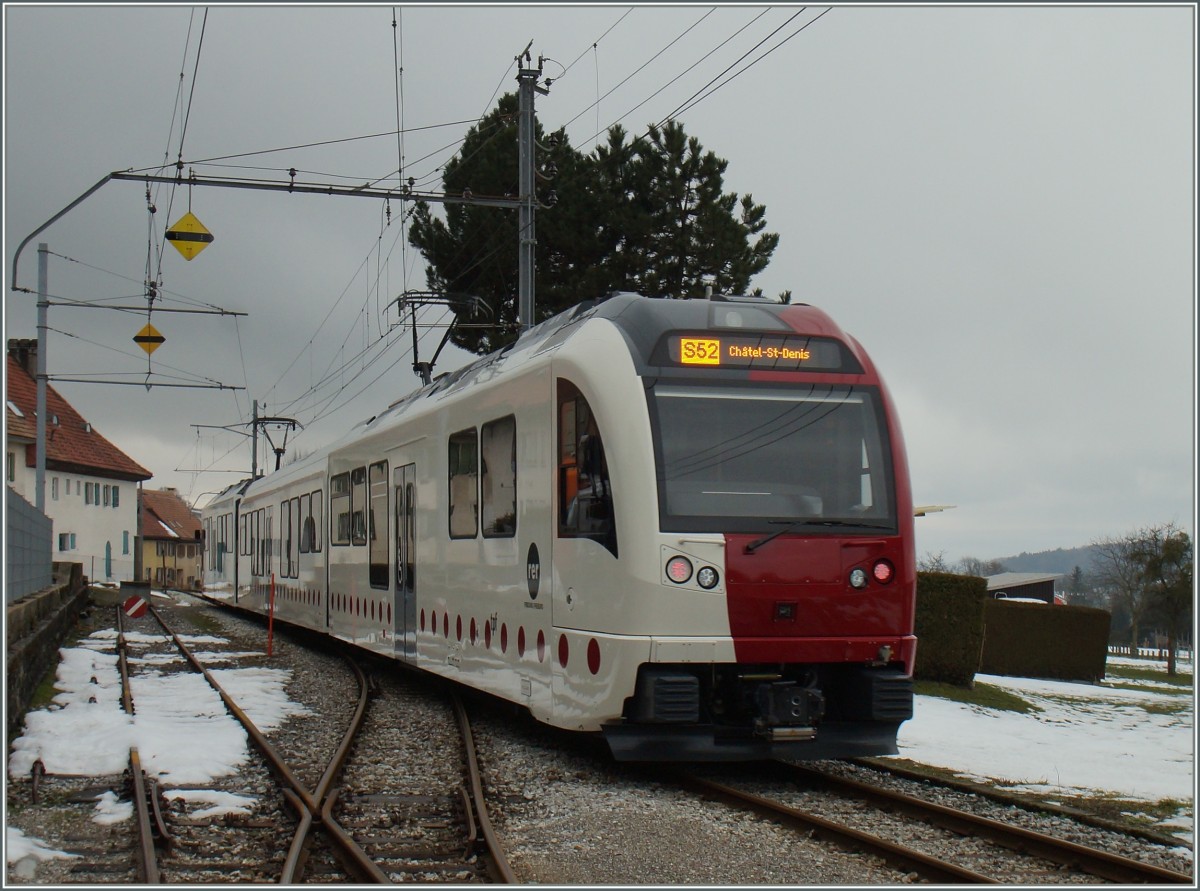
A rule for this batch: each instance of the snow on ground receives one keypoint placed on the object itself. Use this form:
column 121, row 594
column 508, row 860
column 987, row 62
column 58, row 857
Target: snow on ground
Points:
column 184, row 735
column 19, row 847
column 1127, row 743
column 1075, row 743
column 1083, row 739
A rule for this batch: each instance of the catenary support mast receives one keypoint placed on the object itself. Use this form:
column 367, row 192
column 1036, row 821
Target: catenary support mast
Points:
column 526, row 131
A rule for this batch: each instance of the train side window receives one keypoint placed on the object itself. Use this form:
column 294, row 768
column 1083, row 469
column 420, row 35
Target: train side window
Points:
column 294, row 537
column 377, row 525
column 498, row 477
column 222, row 544
column 252, row 533
column 269, row 537
column 306, row 531
column 315, row 520
column 585, row 502
column 464, row 488
column 358, row 506
column 243, row 543
column 260, row 540
column 285, row 529
column 339, row 509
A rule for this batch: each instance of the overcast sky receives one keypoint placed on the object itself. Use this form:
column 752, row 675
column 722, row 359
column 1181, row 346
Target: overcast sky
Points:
column 998, row 202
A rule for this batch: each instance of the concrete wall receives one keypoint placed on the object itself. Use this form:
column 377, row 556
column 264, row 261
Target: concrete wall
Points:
column 36, row 628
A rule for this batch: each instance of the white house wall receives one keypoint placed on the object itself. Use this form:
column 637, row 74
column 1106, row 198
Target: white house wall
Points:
column 96, row 528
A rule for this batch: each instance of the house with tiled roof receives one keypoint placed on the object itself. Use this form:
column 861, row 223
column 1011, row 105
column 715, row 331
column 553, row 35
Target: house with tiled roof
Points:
column 91, row 485
column 171, row 545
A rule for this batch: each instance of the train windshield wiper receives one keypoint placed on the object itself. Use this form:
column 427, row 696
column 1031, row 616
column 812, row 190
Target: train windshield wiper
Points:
column 790, row 525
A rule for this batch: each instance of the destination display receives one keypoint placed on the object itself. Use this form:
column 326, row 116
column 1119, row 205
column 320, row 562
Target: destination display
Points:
column 774, row 351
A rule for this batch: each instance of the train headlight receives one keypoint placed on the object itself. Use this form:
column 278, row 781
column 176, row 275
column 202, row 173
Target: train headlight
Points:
column 679, row 569
column 883, row 571
column 707, row 578
column 858, row 578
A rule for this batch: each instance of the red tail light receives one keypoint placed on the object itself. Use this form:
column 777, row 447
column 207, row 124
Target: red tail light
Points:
column 883, row 571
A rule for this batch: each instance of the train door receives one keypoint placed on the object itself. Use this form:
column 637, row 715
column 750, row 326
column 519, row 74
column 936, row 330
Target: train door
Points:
column 586, row 546
column 404, row 483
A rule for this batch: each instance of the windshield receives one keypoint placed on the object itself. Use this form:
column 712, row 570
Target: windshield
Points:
column 737, row 458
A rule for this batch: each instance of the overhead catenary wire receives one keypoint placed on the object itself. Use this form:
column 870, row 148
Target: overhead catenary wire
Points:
column 373, row 288
column 184, row 374
column 707, row 54
column 733, row 64
column 187, row 114
column 705, row 92
column 163, row 293
column 594, row 43
column 192, row 92
column 327, row 408
column 154, row 268
column 308, row 347
column 385, row 134
column 638, row 71
column 401, row 163
column 317, row 398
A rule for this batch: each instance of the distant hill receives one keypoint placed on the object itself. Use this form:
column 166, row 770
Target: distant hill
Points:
column 1062, row 560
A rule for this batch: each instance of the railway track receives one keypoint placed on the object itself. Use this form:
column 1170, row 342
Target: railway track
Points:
column 570, row 815
column 322, row 797
column 896, row 827
column 344, row 831
column 875, row 767
column 151, row 831
column 417, row 819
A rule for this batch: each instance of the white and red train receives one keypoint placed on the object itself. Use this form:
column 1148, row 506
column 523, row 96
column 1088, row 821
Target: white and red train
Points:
column 686, row 524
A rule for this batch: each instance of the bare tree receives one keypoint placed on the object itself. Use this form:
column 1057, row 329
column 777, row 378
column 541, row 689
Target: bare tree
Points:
column 1165, row 556
column 981, row 568
column 1120, row 569
column 932, row 562
column 970, row 566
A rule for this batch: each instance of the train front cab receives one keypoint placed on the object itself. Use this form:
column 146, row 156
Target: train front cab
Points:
column 771, row 593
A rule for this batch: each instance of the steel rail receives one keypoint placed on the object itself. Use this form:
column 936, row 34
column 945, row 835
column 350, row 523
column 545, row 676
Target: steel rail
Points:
column 495, row 851
column 312, row 809
column 895, row 855
column 1093, row 861
column 147, row 854
column 313, row 814
column 160, row 823
column 358, row 859
column 297, row 855
column 1014, row 799
column 277, row 763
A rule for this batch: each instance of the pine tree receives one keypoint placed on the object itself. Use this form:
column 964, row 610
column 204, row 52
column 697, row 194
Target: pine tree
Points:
column 648, row 215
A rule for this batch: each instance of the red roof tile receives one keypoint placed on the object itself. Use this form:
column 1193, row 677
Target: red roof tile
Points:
column 167, row 516
column 72, row 444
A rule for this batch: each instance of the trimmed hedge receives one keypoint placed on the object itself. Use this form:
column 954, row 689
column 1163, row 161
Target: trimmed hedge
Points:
column 949, row 627
column 1034, row 641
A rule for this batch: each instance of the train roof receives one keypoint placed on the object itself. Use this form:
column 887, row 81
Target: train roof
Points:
column 642, row 321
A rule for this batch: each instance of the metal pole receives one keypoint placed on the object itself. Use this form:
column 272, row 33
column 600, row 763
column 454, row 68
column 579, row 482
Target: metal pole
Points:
column 42, row 306
column 254, row 442
column 525, row 232
column 138, row 541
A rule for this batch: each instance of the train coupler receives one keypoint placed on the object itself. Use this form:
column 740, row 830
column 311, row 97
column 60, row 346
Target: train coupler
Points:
column 787, row 706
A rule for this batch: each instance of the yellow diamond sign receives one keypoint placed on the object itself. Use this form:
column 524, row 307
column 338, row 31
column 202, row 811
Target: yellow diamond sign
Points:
column 189, row 236
column 148, row 338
